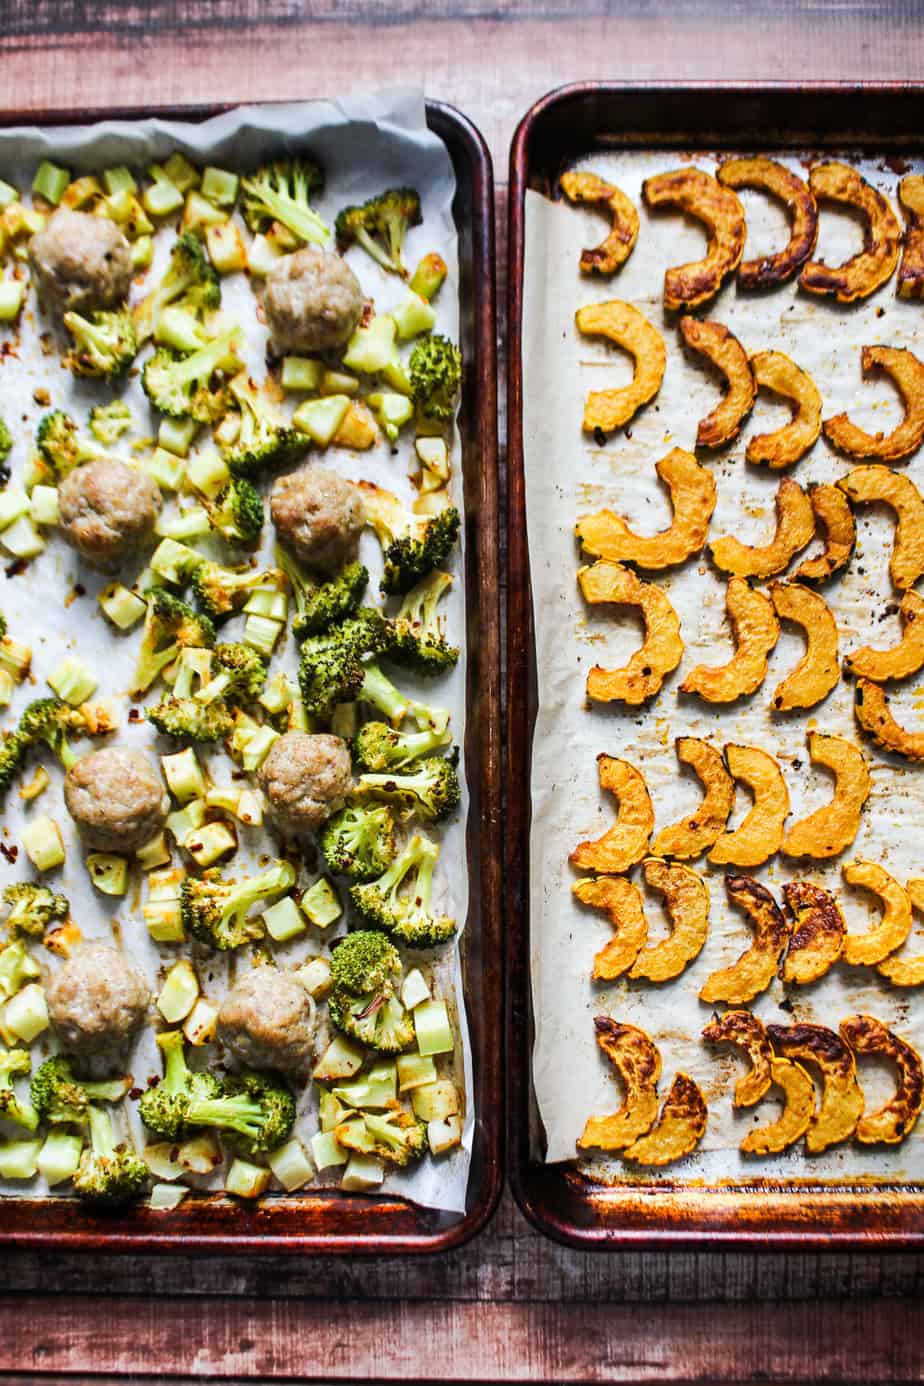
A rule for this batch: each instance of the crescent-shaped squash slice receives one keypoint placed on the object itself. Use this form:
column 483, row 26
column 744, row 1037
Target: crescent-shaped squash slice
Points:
column 755, row 969
column 795, row 525
column 679, row 1129
column 841, row 1104
column 638, row 1064
column 903, row 659
column 692, row 492
column 818, row 670
column 834, row 517
column 862, row 274
column 699, row 195
column 895, row 1120
column 723, row 351
column 908, row 374
column 626, row 842
column 661, row 650
column 867, row 485
column 911, row 269
column 817, row 938
column 755, row 630
column 686, row 897
column 691, row 836
column 743, row 1029
column 625, row 327
column 760, row 832
column 780, row 182
column 615, row 250
column 908, row 971
column 775, row 372
column 872, row 711
column 621, row 902
column 832, row 828
column 798, row 1109
column 894, row 926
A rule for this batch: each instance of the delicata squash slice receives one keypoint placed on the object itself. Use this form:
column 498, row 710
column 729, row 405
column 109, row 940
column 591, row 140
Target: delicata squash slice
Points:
column 742, row 1028
column 817, row 937
column 832, row 828
column 701, row 196
column 626, row 842
column 908, row 374
column 775, row 372
column 903, row 659
column 835, row 518
column 638, row 1063
column 898, row 969
column 755, row 969
column 798, row 1109
column 894, row 926
column 893, row 1121
column 756, row 630
column 595, row 192
column 911, row 269
column 686, row 897
column 818, row 670
column 841, row 1104
column 692, row 491
column 621, row 902
column 678, row 1130
column 661, row 650
column 864, row 273
column 872, row 711
column 780, row 182
column 870, row 484
column 723, row 351
column 692, row 836
column 760, row 832
column 625, row 327
column 795, row 525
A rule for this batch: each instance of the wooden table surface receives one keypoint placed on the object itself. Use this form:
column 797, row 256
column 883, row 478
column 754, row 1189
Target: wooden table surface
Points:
column 511, row 1306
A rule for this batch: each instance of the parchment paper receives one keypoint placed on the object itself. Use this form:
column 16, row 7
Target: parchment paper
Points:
column 365, row 144
column 569, row 476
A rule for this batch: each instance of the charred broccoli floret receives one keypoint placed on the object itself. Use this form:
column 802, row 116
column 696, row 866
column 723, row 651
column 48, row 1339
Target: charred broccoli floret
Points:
column 282, row 192
column 104, row 344
column 435, row 371
column 365, row 969
column 407, row 917
column 170, row 626
column 109, row 421
column 61, row 444
column 16, row 1063
column 49, row 720
column 380, row 226
column 189, row 720
column 13, row 748
column 33, row 907
column 394, row 1135
column 319, row 606
column 238, row 674
column 413, row 545
column 430, row 791
column 60, row 1097
column 331, row 668
column 381, row 693
column 417, row 634
column 359, row 841
column 189, row 278
column 236, row 513
column 378, row 747
column 215, row 910
column 264, row 438
column 183, row 386
column 221, row 591
column 276, row 1105
column 184, row 1099
column 109, row 1172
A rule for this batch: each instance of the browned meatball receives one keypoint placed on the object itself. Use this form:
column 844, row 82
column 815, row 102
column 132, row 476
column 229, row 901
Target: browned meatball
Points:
column 267, row 1021
column 306, row 778
column 97, row 1002
column 116, row 799
column 108, row 511
column 80, row 261
column 319, row 515
column 312, row 301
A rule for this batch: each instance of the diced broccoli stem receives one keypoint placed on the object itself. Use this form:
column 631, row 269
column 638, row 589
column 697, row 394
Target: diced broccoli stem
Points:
column 382, row 694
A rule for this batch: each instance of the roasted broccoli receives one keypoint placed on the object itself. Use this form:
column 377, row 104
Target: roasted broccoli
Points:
column 430, row 791
column 185, row 1099
column 417, row 636
column 182, row 386
column 238, row 674
column 61, row 444
column 413, row 545
column 282, row 192
column 190, row 278
column 331, row 668
column 189, row 720
column 395, row 1135
column 103, row 344
column 16, row 1063
column 435, row 371
column 13, row 748
column 359, row 841
column 221, row 591
column 236, row 513
column 276, row 1105
column 264, row 438
column 365, row 969
column 33, row 907
column 378, row 747
column 428, row 277
column 319, row 606
column 215, row 910
column 109, row 421
column 110, row 1172
column 6, row 445
column 60, row 1097
column 380, row 226
column 49, row 720
column 170, row 626
column 407, row 917
column 379, row 692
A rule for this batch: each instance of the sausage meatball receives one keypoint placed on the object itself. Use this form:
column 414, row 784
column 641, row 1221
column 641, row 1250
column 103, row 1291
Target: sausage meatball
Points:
column 319, row 516
column 312, row 301
column 116, row 799
column 306, row 778
column 80, row 261
column 108, row 510
column 267, row 1021
column 97, row 1002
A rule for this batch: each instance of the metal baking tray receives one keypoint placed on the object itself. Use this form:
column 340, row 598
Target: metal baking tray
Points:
column 884, row 120
column 330, row 1222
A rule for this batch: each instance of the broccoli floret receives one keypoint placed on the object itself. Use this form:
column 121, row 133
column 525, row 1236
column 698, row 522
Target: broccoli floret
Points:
column 365, row 968
column 103, row 344
column 215, row 910
column 277, row 1107
column 109, row 421
column 435, row 371
column 380, row 226
column 61, row 444
column 189, row 720
column 264, row 438
column 365, row 962
column 13, row 748
column 396, row 1135
column 222, row 591
column 378, row 747
column 184, row 1099
column 413, row 545
column 58, row 1096
column 109, row 1172
column 407, row 917
column 331, row 668
column 282, row 192
column 236, row 513
column 319, row 606
column 6, row 445
column 431, row 791
column 15, row 1063
column 359, row 841
column 418, row 640
column 181, row 386
column 169, row 627
column 33, row 907
column 238, row 674
column 379, row 692
column 49, row 720
column 189, row 277
column 380, row 1023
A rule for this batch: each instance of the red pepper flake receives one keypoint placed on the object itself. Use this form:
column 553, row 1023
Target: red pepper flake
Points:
column 135, row 1093
column 11, row 853
column 134, row 715
column 16, row 569
column 9, row 350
